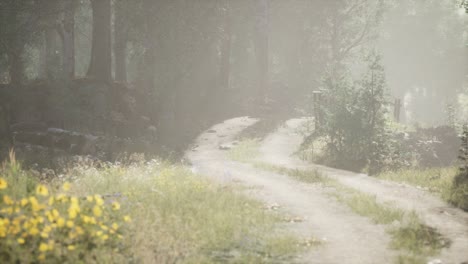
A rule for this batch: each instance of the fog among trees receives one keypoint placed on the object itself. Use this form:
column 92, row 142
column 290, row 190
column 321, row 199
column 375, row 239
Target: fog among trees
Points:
column 366, row 100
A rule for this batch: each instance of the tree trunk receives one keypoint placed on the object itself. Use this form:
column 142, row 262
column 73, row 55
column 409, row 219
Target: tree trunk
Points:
column 51, row 59
column 219, row 95
column 120, row 43
column 15, row 58
column 225, row 69
column 100, row 67
column 261, row 49
column 68, row 40
column 15, row 46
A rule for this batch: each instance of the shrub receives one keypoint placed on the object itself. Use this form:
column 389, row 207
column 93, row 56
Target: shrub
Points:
column 37, row 225
column 354, row 120
column 459, row 194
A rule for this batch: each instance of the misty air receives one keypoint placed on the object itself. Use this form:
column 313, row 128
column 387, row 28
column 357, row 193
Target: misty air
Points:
column 234, row 131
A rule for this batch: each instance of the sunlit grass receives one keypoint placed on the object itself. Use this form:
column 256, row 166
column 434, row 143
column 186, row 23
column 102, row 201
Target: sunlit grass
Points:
column 437, row 180
column 245, row 151
column 309, row 176
column 178, row 216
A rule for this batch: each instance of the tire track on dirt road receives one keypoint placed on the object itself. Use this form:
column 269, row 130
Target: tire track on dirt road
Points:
column 349, row 238
column 280, row 146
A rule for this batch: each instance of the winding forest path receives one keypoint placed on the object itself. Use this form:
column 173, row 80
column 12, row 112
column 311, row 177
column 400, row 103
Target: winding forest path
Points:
column 279, row 148
column 348, row 238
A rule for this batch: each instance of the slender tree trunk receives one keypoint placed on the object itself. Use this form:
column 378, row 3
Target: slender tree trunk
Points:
column 15, row 46
column 68, row 40
column 225, row 69
column 120, row 43
column 15, row 58
column 216, row 99
column 100, row 66
column 261, row 49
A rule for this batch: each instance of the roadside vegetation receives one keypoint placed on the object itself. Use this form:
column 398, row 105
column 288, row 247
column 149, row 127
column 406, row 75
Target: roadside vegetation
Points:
column 415, row 241
column 148, row 212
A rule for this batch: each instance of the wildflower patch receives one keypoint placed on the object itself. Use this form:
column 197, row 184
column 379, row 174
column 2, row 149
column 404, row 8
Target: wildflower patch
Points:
column 58, row 228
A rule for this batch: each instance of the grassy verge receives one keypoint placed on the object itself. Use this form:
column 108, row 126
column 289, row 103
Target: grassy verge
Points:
column 415, row 240
column 435, row 180
column 176, row 216
column 409, row 234
column 438, row 181
column 245, row 151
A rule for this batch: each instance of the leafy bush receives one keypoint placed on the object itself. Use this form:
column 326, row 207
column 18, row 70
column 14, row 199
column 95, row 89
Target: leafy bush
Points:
column 354, row 120
column 459, row 194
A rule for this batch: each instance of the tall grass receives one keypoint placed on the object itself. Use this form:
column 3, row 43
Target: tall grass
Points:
column 437, row 180
column 177, row 217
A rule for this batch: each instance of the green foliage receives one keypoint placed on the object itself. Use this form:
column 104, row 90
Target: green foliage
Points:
column 355, row 120
column 418, row 238
column 459, row 192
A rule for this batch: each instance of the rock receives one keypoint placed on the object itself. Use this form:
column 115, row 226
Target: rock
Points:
column 225, row 147
column 211, row 131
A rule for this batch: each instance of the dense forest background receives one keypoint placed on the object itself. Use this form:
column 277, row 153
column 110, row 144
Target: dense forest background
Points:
column 150, row 75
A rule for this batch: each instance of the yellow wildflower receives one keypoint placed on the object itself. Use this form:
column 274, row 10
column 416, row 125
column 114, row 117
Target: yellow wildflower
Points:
column 115, row 206
column 55, row 213
column 73, row 210
column 7, row 200
column 33, row 231
column 70, row 224
column 99, row 200
column 3, row 184
column 21, row 241
column 24, row 202
column 127, row 218
column 74, row 201
column 72, row 214
column 43, row 247
column 115, row 226
column 60, row 222
column 89, row 199
column 62, row 198
column 51, row 201
column 105, row 237
column 42, row 190
column 97, row 211
column 79, row 230
column 66, row 186
column 71, row 247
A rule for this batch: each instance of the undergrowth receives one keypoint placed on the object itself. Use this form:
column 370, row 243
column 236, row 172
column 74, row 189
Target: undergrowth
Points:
column 176, row 217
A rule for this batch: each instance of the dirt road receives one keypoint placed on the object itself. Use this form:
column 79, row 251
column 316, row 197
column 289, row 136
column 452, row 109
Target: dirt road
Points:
column 279, row 148
column 347, row 238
